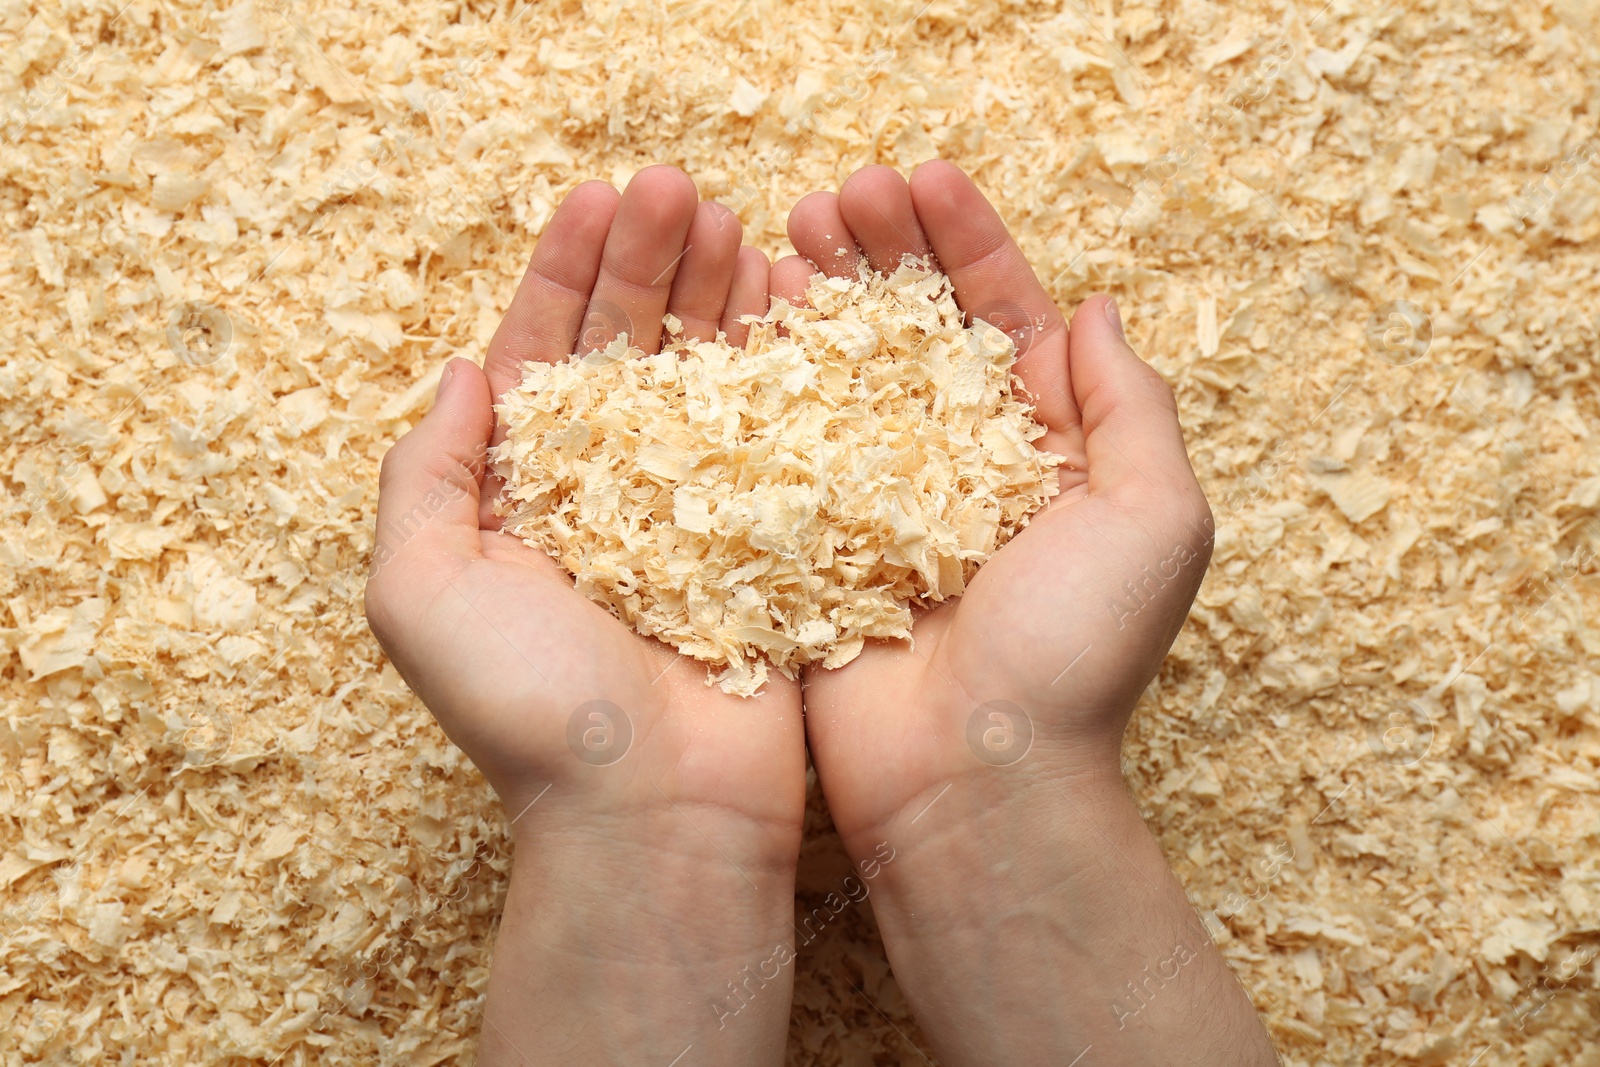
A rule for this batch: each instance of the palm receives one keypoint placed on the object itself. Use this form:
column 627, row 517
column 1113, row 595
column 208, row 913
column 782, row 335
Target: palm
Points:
column 1008, row 639
column 566, row 694
column 1048, row 628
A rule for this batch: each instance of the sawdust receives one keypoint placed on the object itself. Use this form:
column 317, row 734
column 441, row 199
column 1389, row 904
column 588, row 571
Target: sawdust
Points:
column 786, row 501
column 243, row 239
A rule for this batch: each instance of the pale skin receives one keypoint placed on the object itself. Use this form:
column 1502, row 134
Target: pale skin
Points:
column 1028, row 914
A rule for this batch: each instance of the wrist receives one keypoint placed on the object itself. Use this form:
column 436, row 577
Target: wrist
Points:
column 1000, row 830
column 629, row 937
column 984, row 771
column 1028, row 918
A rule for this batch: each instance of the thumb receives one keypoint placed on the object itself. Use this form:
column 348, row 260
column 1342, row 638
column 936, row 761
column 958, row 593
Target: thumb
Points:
column 430, row 481
column 1132, row 439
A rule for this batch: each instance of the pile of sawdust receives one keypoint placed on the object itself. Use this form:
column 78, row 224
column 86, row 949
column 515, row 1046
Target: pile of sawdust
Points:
column 242, row 240
column 789, row 500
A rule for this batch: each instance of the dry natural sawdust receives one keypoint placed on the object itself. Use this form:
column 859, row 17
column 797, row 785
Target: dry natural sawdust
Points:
column 786, row 501
column 242, row 239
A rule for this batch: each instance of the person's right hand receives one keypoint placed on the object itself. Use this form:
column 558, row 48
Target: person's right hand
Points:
column 657, row 819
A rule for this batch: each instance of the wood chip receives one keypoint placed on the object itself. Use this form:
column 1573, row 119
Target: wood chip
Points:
column 784, row 502
column 161, row 520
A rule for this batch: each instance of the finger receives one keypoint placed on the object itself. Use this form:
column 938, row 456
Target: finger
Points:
column 748, row 293
column 700, row 287
column 641, row 258
column 1132, row 439
column 994, row 282
column 875, row 202
column 789, row 278
column 818, row 232
column 547, row 311
column 542, row 321
column 430, row 481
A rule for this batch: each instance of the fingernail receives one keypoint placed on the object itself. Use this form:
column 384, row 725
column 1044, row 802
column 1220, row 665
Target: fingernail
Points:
column 1114, row 317
column 444, row 379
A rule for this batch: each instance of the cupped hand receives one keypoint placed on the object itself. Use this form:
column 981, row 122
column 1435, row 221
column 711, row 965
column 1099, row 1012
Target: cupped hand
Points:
column 541, row 687
column 1041, row 660
column 657, row 819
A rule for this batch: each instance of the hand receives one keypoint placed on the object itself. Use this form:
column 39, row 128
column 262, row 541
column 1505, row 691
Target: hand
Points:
column 1049, row 624
column 658, row 819
column 1026, row 897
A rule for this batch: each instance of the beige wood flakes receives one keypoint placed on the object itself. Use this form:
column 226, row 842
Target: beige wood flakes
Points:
column 186, row 665
column 784, row 502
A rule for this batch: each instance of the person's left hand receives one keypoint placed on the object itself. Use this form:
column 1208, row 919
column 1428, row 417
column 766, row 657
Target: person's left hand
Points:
column 1064, row 626
column 1026, row 894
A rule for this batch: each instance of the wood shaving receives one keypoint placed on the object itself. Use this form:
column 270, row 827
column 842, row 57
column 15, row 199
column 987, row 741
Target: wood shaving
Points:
column 183, row 534
column 783, row 502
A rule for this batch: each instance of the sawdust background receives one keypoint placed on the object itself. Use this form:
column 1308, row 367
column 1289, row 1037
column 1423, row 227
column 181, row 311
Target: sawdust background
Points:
column 219, row 806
